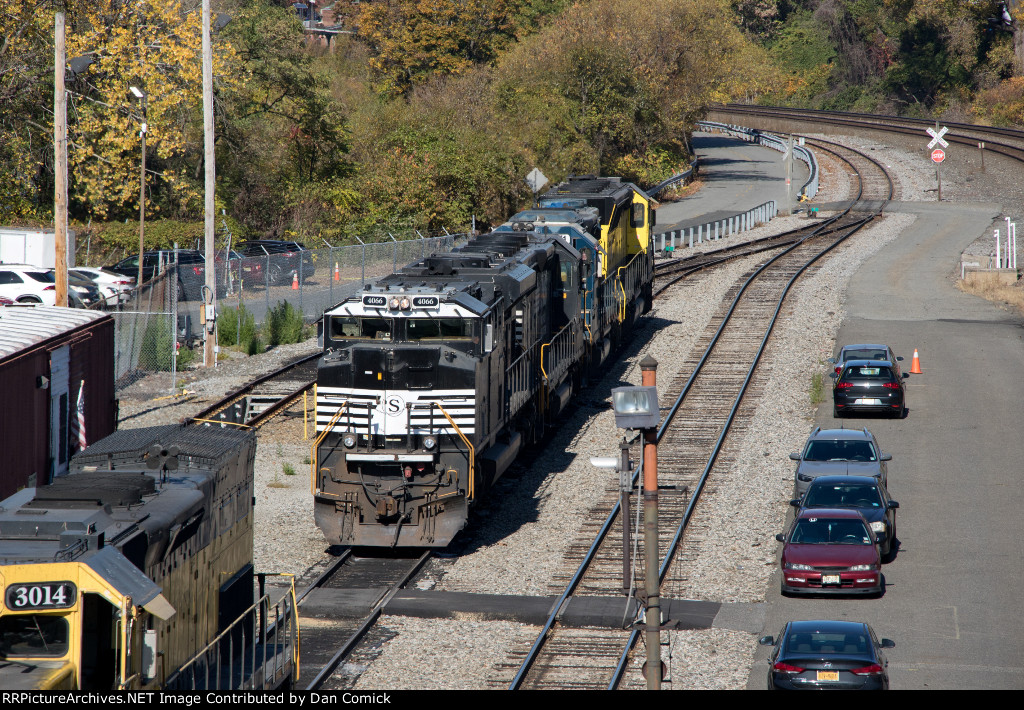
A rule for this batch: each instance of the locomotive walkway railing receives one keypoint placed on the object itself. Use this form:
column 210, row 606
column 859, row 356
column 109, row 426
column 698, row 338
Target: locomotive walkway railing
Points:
column 314, row 451
column 258, row 651
column 561, row 354
column 629, row 278
column 520, row 378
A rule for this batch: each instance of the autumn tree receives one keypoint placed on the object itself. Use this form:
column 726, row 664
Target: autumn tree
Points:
column 414, row 40
column 155, row 46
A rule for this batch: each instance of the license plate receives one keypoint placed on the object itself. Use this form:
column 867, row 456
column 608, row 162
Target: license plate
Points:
column 828, row 675
column 830, row 579
column 868, row 401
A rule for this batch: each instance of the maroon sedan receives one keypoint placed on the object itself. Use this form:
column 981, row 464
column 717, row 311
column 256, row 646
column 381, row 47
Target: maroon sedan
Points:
column 830, row 551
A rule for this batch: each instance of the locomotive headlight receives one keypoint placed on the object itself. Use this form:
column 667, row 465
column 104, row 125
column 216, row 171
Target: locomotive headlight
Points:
column 405, row 303
column 348, row 439
column 429, row 442
column 393, row 303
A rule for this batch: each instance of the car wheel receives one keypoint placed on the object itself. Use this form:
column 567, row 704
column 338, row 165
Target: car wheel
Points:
column 29, row 299
column 835, row 411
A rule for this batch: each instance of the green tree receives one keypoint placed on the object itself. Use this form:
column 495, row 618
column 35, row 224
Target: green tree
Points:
column 285, row 138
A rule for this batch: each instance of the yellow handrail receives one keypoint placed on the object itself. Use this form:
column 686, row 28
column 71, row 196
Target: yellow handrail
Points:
column 472, row 451
column 622, row 303
column 219, row 421
column 314, row 464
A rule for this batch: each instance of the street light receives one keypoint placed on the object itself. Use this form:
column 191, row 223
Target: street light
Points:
column 141, row 96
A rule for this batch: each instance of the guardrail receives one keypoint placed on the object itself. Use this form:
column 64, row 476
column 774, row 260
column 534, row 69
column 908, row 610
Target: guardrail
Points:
column 688, row 236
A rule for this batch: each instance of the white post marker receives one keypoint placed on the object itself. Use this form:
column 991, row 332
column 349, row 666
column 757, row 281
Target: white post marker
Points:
column 999, row 261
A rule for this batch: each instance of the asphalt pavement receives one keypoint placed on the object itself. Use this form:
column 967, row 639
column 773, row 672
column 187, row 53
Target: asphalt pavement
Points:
column 736, row 176
column 949, row 602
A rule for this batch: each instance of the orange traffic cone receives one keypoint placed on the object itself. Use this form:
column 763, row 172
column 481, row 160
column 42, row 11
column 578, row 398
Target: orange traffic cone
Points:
column 915, row 364
column 337, row 274
column 295, row 281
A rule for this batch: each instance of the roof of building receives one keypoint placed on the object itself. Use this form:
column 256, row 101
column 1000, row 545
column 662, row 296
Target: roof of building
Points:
column 22, row 326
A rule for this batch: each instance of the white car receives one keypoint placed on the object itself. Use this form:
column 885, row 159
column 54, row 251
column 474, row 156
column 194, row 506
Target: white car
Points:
column 27, row 284
column 116, row 288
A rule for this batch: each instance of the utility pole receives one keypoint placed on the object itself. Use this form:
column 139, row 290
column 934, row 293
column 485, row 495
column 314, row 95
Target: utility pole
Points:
column 141, row 96
column 60, row 158
column 210, row 292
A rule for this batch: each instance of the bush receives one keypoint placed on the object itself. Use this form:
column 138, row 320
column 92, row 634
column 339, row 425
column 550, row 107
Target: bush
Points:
column 254, row 346
column 284, row 325
column 157, row 343
column 186, row 356
column 228, row 331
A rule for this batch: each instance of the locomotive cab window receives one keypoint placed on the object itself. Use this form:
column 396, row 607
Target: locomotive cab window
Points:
column 638, row 215
column 348, row 327
column 31, row 635
column 438, row 329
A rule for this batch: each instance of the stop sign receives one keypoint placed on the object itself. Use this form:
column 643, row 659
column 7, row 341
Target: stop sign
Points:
column 938, row 155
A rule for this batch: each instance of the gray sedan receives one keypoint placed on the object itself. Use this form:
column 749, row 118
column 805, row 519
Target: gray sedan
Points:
column 839, row 452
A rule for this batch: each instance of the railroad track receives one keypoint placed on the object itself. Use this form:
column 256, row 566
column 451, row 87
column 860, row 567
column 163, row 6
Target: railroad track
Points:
column 1007, row 142
column 254, row 404
column 374, row 580
column 707, row 409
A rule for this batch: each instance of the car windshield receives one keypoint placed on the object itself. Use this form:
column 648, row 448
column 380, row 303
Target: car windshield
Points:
column 33, row 635
column 830, row 531
column 842, row 495
column 840, row 450
column 822, row 642
column 869, row 354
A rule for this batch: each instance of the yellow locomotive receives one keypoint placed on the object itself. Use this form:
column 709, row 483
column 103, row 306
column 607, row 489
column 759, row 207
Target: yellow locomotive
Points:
column 135, row 571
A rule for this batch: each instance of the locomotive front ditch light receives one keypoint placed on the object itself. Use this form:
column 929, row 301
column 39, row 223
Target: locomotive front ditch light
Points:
column 429, row 442
column 348, row 439
column 635, row 407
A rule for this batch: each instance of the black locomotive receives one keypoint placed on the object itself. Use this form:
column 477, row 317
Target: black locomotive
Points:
column 434, row 378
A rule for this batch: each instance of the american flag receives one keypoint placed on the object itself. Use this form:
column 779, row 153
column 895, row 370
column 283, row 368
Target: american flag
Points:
column 78, row 423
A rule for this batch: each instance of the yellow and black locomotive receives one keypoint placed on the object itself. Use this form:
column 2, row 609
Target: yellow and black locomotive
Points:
column 135, row 571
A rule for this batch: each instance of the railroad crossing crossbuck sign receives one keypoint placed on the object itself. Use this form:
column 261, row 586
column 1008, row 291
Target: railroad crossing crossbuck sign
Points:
column 937, row 138
column 938, row 155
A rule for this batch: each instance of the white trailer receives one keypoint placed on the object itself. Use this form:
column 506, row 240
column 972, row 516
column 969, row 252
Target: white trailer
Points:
column 36, row 247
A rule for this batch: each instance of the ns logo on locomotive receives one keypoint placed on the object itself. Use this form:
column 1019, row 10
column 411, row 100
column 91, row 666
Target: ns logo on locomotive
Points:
column 435, row 377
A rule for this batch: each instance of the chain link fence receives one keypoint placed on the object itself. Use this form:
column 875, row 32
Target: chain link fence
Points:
column 159, row 327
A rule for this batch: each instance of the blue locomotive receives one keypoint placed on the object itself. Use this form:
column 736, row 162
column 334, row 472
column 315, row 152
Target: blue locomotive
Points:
column 435, row 377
